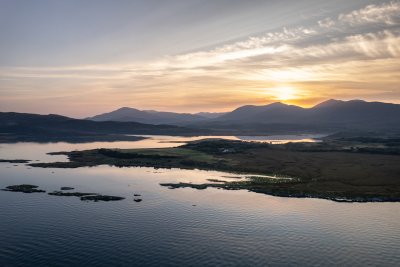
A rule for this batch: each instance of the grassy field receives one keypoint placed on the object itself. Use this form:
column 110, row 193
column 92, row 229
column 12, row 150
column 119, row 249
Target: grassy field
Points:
column 333, row 170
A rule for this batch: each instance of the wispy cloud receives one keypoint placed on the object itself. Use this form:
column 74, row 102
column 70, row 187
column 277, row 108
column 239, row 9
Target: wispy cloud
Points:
column 386, row 13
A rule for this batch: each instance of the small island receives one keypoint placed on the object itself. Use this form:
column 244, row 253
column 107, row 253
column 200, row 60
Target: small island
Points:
column 28, row 188
column 339, row 169
column 64, row 188
column 14, row 161
column 24, row 188
column 86, row 196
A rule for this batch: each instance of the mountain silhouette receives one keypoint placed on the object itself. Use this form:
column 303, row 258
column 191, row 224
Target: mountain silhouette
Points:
column 126, row 114
column 330, row 115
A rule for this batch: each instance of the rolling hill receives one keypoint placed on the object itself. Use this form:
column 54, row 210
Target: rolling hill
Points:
column 330, row 111
column 329, row 116
column 34, row 127
column 126, row 114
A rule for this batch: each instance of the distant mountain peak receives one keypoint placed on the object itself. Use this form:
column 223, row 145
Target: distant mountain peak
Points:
column 268, row 106
column 210, row 115
column 125, row 109
column 127, row 114
column 334, row 102
column 328, row 103
column 281, row 105
column 277, row 104
column 357, row 101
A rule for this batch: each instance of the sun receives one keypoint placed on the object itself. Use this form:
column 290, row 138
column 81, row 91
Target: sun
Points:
column 284, row 93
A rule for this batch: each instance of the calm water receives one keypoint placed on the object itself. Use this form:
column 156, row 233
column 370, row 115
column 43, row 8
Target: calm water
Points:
column 181, row 227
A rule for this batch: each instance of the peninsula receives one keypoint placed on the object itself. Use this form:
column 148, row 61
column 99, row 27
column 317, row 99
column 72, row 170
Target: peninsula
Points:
column 341, row 169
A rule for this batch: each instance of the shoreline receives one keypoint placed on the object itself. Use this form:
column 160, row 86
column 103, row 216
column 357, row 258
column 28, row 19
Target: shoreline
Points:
column 322, row 170
column 354, row 199
column 89, row 138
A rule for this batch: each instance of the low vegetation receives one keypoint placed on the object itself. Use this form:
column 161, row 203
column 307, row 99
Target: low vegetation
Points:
column 339, row 169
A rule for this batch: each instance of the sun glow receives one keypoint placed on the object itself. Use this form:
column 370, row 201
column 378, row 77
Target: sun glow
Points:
column 283, row 93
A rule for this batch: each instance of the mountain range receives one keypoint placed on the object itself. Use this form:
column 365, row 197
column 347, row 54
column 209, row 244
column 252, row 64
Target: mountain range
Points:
column 126, row 114
column 332, row 116
column 329, row 115
column 331, row 111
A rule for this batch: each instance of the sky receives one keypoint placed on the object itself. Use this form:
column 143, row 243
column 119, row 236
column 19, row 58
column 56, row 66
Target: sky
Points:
column 81, row 58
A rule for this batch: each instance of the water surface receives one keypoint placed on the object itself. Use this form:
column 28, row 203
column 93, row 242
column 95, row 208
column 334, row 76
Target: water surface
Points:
column 181, row 227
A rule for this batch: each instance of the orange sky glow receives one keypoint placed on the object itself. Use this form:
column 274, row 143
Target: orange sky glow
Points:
column 348, row 55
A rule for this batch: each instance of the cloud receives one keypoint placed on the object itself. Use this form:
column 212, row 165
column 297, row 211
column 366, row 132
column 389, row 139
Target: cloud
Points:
column 376, row 45
column 386, row 13
column 326, row 23
column 359, row 49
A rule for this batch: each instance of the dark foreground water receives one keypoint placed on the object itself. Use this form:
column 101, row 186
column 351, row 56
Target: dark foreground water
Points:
column 181, row 227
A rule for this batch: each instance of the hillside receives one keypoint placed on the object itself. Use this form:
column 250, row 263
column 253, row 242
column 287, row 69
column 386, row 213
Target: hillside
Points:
column 33, row 127
column 147, row 116
column 329, row 116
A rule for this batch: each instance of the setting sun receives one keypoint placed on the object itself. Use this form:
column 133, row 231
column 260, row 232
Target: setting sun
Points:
column 285, row 93
column 282, row 93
